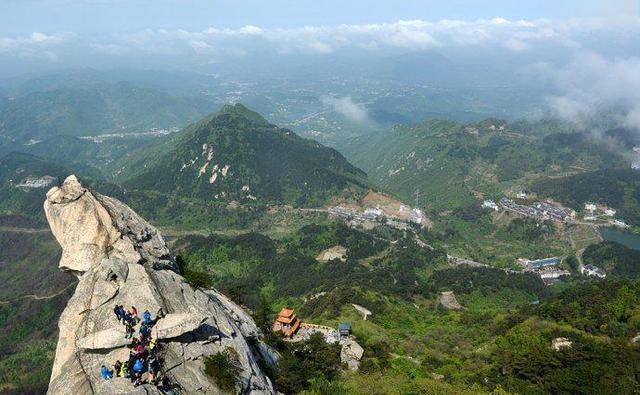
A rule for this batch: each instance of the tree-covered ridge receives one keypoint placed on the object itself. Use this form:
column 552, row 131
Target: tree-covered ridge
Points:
column 616, row 259
column 236, row 155
column 452, row 164
column 616, row 187
column 94, row 108
column 501, row 338
column 599, row 319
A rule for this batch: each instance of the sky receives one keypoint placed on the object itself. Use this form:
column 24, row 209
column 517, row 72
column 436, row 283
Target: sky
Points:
column 22, row 17
column 588, row 49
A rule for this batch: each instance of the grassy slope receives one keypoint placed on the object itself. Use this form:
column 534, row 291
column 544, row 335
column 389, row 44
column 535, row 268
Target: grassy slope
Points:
column 33, row 295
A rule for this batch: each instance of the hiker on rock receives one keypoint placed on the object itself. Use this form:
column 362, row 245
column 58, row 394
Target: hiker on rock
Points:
column 145, row 333
column 130, row 331
column 134, row 313
column 106, row 373
column 147, row 318
column 117, row 310
column 117, row 367
column 153, row 368
column 124, row 369
column 138, row 368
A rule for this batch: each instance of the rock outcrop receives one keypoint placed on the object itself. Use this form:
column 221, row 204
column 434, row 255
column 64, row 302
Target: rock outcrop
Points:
column 351, row 354
column 120, row 259
column 448, row 300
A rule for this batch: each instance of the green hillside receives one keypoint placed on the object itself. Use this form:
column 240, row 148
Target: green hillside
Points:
column 15, row 170
column 236, row 155
column 94, row 108
column 499, row 339
column 453, row 165
column 34, row 293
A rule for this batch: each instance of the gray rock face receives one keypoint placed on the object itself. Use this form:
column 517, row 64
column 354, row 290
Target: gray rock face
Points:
column 448, row 300
column 120, row 259
column 351, row 354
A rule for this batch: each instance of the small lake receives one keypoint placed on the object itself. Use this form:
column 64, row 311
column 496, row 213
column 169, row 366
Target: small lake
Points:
column 628, row 239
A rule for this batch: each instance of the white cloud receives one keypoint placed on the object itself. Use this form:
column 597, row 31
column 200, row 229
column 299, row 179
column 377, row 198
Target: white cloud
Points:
column 345, row 105
column 34, row 39
column 592, row 85
column 518, row 36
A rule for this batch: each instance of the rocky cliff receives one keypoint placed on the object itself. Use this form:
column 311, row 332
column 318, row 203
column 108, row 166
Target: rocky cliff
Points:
column 120, row 259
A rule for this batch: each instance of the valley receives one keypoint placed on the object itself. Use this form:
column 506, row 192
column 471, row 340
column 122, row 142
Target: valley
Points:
column 392, row 221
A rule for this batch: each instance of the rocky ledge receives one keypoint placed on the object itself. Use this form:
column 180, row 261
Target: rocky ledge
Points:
column 120, row 259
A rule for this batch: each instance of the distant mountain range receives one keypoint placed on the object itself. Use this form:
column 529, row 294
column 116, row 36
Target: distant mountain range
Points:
column 94, row 108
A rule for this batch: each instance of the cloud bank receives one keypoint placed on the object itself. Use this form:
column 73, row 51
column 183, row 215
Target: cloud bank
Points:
column 345, row 106
column 592, row 85
column 517, row 36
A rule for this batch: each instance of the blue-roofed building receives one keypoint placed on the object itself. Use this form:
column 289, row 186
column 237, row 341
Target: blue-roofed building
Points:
column 544, row 262
column 344, row 328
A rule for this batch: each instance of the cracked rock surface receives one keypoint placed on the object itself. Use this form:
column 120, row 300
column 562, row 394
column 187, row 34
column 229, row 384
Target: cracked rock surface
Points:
column 120, row 258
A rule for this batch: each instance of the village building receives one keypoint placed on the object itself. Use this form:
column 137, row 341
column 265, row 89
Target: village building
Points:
column 36, row 182
column 590, row 207
column 415, row 216
column 490, row 204
column 538, row 263
column 553, row 273
column 373, row 213
column 609, row 212
column 594, row 271
column 344, row 330
column 620, row 223
column 286, row 323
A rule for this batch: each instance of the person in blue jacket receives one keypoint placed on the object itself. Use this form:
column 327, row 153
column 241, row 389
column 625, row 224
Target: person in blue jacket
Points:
column 147, row 317
column 106, row 373
column 138, row 367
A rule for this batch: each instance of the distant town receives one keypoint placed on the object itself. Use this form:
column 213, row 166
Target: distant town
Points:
column 549, row 209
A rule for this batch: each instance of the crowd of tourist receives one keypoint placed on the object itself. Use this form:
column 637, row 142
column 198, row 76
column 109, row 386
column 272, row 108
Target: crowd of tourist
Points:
column 145, row 361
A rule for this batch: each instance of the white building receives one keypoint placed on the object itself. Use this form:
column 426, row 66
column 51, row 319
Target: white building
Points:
column 620, row 223
column 415, row 216
column 591, row 270
column 490, row 204
column 590, row 206
column 609, row 212
column 553, row 273
column 35, row 182
column 521, row 195
column 373, row 212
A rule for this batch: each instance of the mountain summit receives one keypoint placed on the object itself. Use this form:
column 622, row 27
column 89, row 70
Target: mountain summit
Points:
column 235, row 154
column 122, row 260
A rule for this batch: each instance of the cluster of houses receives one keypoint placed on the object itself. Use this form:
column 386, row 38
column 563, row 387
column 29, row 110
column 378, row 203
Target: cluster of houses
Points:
column 369, row 215
column 550, row 273
column 547, row 269
column 594, row 210
column 549, row 209
column 36, row 182
column 543, row 210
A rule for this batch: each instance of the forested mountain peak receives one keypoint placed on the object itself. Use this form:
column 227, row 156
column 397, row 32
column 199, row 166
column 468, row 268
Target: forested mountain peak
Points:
column 235, row 154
